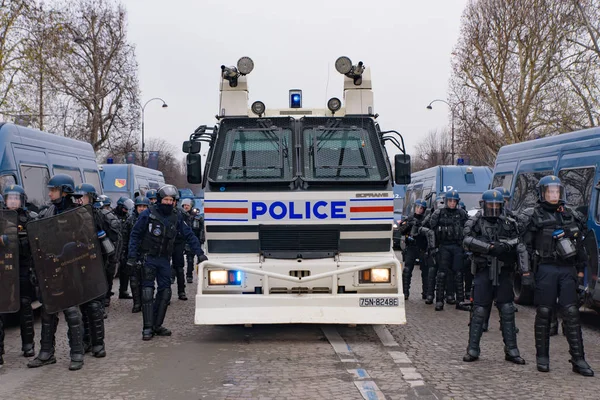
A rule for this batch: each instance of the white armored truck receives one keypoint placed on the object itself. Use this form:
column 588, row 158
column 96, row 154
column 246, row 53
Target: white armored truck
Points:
column 298, row 208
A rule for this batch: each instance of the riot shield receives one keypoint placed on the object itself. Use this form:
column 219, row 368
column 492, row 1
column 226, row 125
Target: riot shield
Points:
column 9, row 262
column 67, row 259
column 591, row 246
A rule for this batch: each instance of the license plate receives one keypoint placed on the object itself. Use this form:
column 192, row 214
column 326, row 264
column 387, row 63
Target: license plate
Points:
column 378, row 302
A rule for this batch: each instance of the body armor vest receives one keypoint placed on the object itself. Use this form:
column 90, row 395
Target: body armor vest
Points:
column 161, row 234
column 546, row 223
column 501, row 229
column 450, row 226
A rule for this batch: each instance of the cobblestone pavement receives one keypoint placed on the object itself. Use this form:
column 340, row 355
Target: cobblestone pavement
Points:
column 421, row 360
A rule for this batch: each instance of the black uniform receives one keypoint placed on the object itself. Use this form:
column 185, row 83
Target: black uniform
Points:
column 26, row 279
column 177, row 258
column 197, row 225
column 557, row 260
column 135, row 273
column 416, row 247
column 112, row 227
column 494, row 243
column 448, row 223
column 122, row 215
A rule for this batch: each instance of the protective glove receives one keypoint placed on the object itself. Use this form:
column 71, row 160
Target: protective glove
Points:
column 527, row 280
column 499, row 248
column 202, row 258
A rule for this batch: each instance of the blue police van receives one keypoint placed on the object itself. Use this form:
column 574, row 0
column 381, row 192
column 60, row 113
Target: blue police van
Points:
column 129, row 180
column 29, row 157
column 573, row 157
column 469, row 181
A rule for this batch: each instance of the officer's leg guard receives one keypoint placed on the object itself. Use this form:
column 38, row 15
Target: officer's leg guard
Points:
column 180, row 283
column 46, row 354
column 75, row 334
column 189, row 274
column 450, row 287
column 431, row 279
column 162, row 297
column 439, row 290
column 542, row 338
column 460, row 292
column 554, row 322
column 509, row 333
column 136, row 292
column 406, row 277
column 97, row 328
column 85, row 319
column 486, row 323
column 147, row 312
column 424, row 273
column 575, row 339
column 27, row 331
column 123, row 281
column 475, row 332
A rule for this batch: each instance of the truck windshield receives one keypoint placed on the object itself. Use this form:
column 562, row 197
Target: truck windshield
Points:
column 254, row 154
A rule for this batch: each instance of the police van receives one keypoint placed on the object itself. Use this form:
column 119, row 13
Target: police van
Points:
column 129, row 180
column 30, row 157
column 573, row 157
column 469, row 181
column 298, row 207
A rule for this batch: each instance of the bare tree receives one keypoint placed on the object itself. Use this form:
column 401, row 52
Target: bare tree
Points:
column 434, row 150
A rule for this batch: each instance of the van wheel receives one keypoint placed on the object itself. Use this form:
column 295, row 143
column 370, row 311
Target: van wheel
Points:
column 523, row 295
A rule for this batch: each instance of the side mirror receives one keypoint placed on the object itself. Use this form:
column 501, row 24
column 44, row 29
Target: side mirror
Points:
column 191, row 147
column 402, row 169
column 194, row 168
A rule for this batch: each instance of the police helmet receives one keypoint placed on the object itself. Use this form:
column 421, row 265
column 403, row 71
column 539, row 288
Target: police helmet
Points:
column 126, row 203
column 420, row 203
column 122, row 200
column 142, row 201
column 17, row 191
column 492, row 203
column 85, row 188
column 189, row 202
column 451, row 195
column 151, row 194
column 102, row 201
column 551, row 190
column 62, row 181
column 167, row 191
column 505, row 192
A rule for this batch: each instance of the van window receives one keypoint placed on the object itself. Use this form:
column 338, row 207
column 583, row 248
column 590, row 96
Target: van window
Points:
column 578, row 183
column 93, row 179
column 6, row 180
column 504, row 180
column 35, row 181
column 416, row 192
column 526, row 189
column 73, row 173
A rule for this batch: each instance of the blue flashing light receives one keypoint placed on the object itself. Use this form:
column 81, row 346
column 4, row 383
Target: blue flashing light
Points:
column 109, row 160
column 295, row 98
column 235, row 277
column 460, row 161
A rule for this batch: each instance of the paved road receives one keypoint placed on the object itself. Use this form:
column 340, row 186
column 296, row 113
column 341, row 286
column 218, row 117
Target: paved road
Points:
column 421, row 360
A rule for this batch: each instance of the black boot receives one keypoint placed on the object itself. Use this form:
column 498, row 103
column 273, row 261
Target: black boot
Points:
column 450, row 289
column 543, row 316
column 75, row 334
column 182, row 296
column 163, row 298
column 431, row 278
column 97, row 329
column 475, row 332
column 439, row 291
column 406, row 276
column 46, row 354
column 509, row 333
column 136, row 294
column 424, row 276
column 575, row 339
column 147, row 312
column 27, row 331
column 180, row 279
column 460, row 292
column 85, row 319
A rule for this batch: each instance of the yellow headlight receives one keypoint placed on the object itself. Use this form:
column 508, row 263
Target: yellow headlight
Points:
column 379, row 275
column 217, row 277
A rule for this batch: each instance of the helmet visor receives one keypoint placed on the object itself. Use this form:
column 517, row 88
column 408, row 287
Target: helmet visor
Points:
column 552, row 193
column 492, row 209
column 13, row 200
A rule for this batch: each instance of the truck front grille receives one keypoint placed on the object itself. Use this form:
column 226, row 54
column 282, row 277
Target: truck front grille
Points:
column 299, row 238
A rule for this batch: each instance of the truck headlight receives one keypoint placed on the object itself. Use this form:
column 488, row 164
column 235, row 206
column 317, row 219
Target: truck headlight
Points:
column 224, row 277
column 375, row 275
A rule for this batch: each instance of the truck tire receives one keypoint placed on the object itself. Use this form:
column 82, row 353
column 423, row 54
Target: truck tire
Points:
column 523, row 295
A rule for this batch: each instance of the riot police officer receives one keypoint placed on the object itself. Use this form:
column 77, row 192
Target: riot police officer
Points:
column 493, row 238
column 154, row 234
column 123, row 209
column 92, row 311
column 15, row 199
column 61, row 189
column 448, row 223
column 190, row 219
column 554, row 235
column 197, row 225
column 112, row 227
column 141, row 204
column 151, row 195
column 416, row 245
column 178, row 260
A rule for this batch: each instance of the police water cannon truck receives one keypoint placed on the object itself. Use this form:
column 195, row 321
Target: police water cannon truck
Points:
column 298, row 208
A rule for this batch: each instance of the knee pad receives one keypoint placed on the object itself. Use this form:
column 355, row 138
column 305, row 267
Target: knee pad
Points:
column 571, row 312
column 441, row 277
column 25, row 302
column 479, row 311
column 72, row 315
column 166, row 294
column 544, row 312
column 506, row 308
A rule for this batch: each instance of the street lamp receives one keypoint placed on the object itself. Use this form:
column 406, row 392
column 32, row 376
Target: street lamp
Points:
column 452, row 111
column 164, row 105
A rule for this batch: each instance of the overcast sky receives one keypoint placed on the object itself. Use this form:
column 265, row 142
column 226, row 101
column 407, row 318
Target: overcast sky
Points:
column 181, row 44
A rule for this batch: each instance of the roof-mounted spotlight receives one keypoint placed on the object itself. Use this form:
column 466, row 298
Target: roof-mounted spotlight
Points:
column 245, row 65
column 258, row 108
column 344, row 66
column 334, row 104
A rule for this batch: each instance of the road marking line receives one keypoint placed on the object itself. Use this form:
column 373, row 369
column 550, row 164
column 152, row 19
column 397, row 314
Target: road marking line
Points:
column 339, row 345
column 385, row 336
column 369, row 390
column 400, row 357
column 359, row 373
